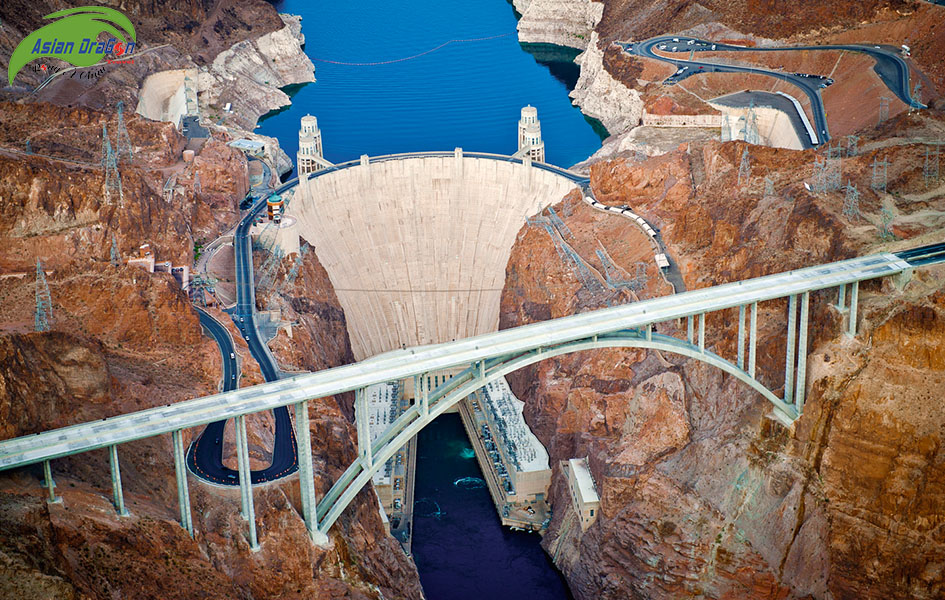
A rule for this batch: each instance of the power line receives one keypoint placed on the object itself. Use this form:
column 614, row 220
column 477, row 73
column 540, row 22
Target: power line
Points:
column 406, row 58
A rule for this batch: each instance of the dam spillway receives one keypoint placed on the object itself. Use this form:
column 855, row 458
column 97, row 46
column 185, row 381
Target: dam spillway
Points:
column 416, row 248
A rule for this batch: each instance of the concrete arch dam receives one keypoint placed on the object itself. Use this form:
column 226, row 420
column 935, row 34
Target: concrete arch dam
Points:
column 416, row 248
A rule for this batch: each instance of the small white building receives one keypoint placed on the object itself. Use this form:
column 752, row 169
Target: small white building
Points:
column 584, row 496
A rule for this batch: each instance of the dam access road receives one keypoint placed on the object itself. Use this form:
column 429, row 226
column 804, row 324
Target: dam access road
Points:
column 890, row 67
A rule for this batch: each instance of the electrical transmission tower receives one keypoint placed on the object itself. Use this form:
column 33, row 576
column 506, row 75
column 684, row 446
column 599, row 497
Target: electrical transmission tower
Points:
column 43, row 300
column 750, row 128
column 115, row 258
column 883, row 109
column 851, row 205
column 887, row 217
column 930, row 172
column 744, row 169
column 269, row 268
column 123, row 141
column 726, row 134
column 289, row 279
column 201, row 284
column 769, row 187
column 197, row 188
column 834, row 168
column 110, row 166
column 565, row 254
column 852, row 141
column 880, row 170
column 615, row 280
column 29, row 147
column 820, row 175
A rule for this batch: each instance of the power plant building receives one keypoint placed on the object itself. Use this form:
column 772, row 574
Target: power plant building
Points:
column 514, row 462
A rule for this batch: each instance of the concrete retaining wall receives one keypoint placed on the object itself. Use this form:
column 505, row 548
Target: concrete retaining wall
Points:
column 416, row 249
column 682, row 120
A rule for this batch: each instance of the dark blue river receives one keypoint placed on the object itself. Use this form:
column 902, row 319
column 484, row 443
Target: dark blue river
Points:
column 461, row 550
column 465, row 94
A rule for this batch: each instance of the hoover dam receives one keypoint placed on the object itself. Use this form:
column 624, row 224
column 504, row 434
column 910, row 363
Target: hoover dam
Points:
column 416, row 248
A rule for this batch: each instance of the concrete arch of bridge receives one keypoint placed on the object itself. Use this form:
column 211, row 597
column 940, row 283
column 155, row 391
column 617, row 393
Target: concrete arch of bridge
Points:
column 448, row 394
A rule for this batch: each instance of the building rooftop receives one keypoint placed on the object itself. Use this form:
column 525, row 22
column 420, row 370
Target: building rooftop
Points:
column 247, row 145
column 383, row 400
column 582, row 475
column 506, row 411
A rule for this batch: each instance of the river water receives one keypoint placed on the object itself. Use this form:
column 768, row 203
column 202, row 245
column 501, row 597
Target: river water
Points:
column 461, row 550
column 463, row 94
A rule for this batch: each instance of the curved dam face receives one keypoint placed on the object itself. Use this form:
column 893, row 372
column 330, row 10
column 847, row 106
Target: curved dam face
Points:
column 416, row 248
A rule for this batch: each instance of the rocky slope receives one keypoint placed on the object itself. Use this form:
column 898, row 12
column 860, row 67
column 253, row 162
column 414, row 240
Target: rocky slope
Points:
column 702, row 495
column 125, row 340
column 561, row 22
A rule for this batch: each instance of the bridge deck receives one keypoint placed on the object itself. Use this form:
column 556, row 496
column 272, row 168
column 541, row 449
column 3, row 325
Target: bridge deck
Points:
column 401, row 364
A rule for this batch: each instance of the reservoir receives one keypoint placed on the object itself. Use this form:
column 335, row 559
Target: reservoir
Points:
column 464, row 94
column 468, row 94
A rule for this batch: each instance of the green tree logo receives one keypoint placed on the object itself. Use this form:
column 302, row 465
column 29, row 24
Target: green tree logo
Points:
column 72, row 38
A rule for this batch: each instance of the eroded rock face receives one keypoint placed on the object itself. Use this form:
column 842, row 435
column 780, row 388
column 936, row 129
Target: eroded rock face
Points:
column 602, row 96
column 561, row 22
column 701, row 494
column 250, row 73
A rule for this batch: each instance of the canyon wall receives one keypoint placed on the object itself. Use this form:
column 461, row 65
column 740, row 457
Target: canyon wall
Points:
column 602, row 96
column 561, row 22
column 701, row 494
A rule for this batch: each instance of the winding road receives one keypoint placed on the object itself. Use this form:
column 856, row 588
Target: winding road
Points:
column 205, row 455
column 890, row 67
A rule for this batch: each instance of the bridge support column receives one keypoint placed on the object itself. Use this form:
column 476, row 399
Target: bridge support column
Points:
column 116, row 481
column 183, row 493
column 701, row 332
column 50, row 484
column 854, row 297
column 842, row 298
column 246, row 484
column 752, row 334
column 689, row 336
column 902, row 279
column 740, row 361
column 303, row 438
column 362, row 420
column 789, row 353
column 801, row 387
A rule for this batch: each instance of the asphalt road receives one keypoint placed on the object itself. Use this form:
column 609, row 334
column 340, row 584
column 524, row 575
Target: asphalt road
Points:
column 742, row 99
column 890, row 67
column 205, row 455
